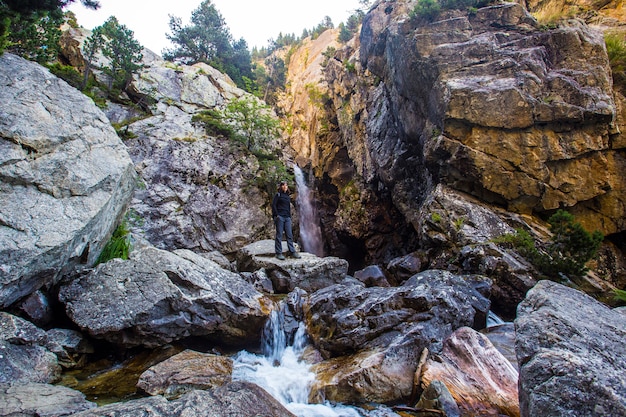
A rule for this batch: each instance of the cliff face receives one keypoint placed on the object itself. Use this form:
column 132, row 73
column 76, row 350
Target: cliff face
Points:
column 488, row 103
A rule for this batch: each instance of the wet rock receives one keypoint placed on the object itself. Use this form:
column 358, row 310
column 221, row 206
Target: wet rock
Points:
column 405, row 267
column 372, row 338
column 437, row 397
column 372, row 276
column 184, row 372
column 233, row 399
column 158, row 296
column 570, row 344
column 480, row 379
column 36, row 308
column 309, row 273
column 67, row 179
column 502, row 337
column 41, row 400
column 70, row 346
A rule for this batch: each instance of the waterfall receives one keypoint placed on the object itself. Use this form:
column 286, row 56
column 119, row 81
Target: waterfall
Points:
column 310, row 231
column 282, row 373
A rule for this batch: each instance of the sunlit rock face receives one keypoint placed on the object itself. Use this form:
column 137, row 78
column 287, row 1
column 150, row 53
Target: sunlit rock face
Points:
column 496, row 107
column 66, row 179
column 489, row 103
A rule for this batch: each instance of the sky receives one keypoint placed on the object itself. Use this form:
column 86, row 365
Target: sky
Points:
column 256, row 21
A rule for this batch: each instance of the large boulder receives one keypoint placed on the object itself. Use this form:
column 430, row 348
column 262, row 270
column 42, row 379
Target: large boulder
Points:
column 66, row 179
column 41, row 400
column 233, row 399
column 481, row 380
column 309, row 273
column 373, row 337
column 24, row 357
column 185, row 372
column 158, row 296
column 571, row 353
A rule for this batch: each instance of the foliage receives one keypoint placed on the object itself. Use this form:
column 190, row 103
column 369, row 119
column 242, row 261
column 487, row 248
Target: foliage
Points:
column 207, row 39
column 616, row 50
column 27, row 27
column 119, row 246
column 124, row 52
column 252, row 122
column 430, row 9
column 35, row 36
column 570, row 248
column 620, row 295
column 427, row 9
column 271, row 172
column 213, row 122
column 67, row 73
column 271, row 77
column 245, row 119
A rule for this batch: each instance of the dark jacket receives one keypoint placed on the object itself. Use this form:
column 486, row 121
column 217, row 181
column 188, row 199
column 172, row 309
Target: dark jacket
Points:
column 281, row 205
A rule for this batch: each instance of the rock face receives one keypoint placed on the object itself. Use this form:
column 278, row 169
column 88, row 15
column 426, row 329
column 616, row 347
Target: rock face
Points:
column 196, row 191
column 158, row 296
column 66, row 179
column 487, row 103
column 24, row 358
column 570, row 344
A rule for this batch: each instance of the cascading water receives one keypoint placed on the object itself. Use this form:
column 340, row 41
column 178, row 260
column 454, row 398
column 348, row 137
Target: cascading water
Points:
column 310, row 231
column 282, row 373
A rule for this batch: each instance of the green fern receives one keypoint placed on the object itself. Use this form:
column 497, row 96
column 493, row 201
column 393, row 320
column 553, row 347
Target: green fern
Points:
column 119, row 246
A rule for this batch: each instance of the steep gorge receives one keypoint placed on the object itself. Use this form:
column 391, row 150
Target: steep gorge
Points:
column 519, row 116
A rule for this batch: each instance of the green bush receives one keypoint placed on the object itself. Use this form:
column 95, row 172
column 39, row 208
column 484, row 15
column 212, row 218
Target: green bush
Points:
column 616, row 50
column 620, row 295
column 568, row 252
column 213, row 122
column 119, row 246
column 426, row 9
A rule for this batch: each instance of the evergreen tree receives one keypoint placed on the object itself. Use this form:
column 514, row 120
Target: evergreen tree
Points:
column 117, row 43
column 23, row 21
column 207, row 39
column 35, row 36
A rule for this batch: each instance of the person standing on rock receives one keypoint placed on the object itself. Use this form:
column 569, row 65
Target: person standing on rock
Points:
column 281, row 212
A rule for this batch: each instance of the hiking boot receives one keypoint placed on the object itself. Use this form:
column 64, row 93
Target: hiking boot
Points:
column 280, row 256
column 295, row 255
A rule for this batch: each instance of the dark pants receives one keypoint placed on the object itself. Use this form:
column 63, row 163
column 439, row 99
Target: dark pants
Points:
column 283, row 224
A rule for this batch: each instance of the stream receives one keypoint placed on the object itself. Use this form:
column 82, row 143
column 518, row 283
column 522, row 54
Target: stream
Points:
column 281, row 372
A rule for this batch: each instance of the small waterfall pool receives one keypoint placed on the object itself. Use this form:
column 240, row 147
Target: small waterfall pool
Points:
column 280, row 371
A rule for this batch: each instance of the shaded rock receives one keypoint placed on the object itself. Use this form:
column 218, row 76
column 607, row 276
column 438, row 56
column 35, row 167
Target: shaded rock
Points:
column 36, row 307
column 502, row 337
column 184, row 372
column 437, row 397
column 27, row 363
column 233, row 399
column 309, row 273
column 479, row 378
column 372, row 338
column 15, row 329
column 23, row 358
column 69, row 345
column 67, row 179
column 41, row 400
column 157, row 297
column 260, row 280
column 372, row 276
column 405, row 267
column 570, row 344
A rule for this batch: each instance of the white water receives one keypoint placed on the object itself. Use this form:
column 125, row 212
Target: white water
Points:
column 310, row 231
column 281, row 372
